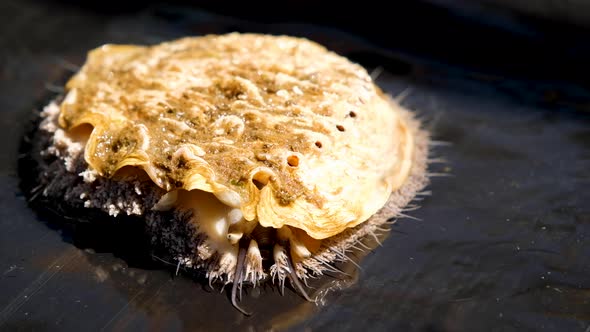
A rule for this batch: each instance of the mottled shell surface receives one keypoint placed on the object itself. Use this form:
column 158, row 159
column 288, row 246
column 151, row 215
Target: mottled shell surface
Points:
column 280, row 127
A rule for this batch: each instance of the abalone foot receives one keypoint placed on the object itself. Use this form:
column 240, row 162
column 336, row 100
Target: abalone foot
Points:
column 64, row 185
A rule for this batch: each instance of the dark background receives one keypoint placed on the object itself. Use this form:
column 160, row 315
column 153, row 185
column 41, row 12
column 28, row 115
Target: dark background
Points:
column 517, row 37
column 503, row 242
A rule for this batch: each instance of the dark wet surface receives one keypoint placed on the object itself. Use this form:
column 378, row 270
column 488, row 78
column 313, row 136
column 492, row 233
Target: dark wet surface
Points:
column 503, row 243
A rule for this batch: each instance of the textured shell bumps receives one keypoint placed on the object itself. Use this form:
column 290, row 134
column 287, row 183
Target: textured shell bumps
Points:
column 278, row 127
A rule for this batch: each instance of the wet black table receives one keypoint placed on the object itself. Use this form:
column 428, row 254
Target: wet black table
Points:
column 502, row 244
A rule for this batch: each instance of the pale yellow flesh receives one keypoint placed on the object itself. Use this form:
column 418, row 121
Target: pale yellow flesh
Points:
column 224, row 226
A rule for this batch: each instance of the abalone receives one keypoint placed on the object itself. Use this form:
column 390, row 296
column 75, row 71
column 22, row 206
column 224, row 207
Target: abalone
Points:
column 249, row 156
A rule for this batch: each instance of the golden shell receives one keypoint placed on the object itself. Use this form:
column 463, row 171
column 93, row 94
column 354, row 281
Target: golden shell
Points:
column 280, row 127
